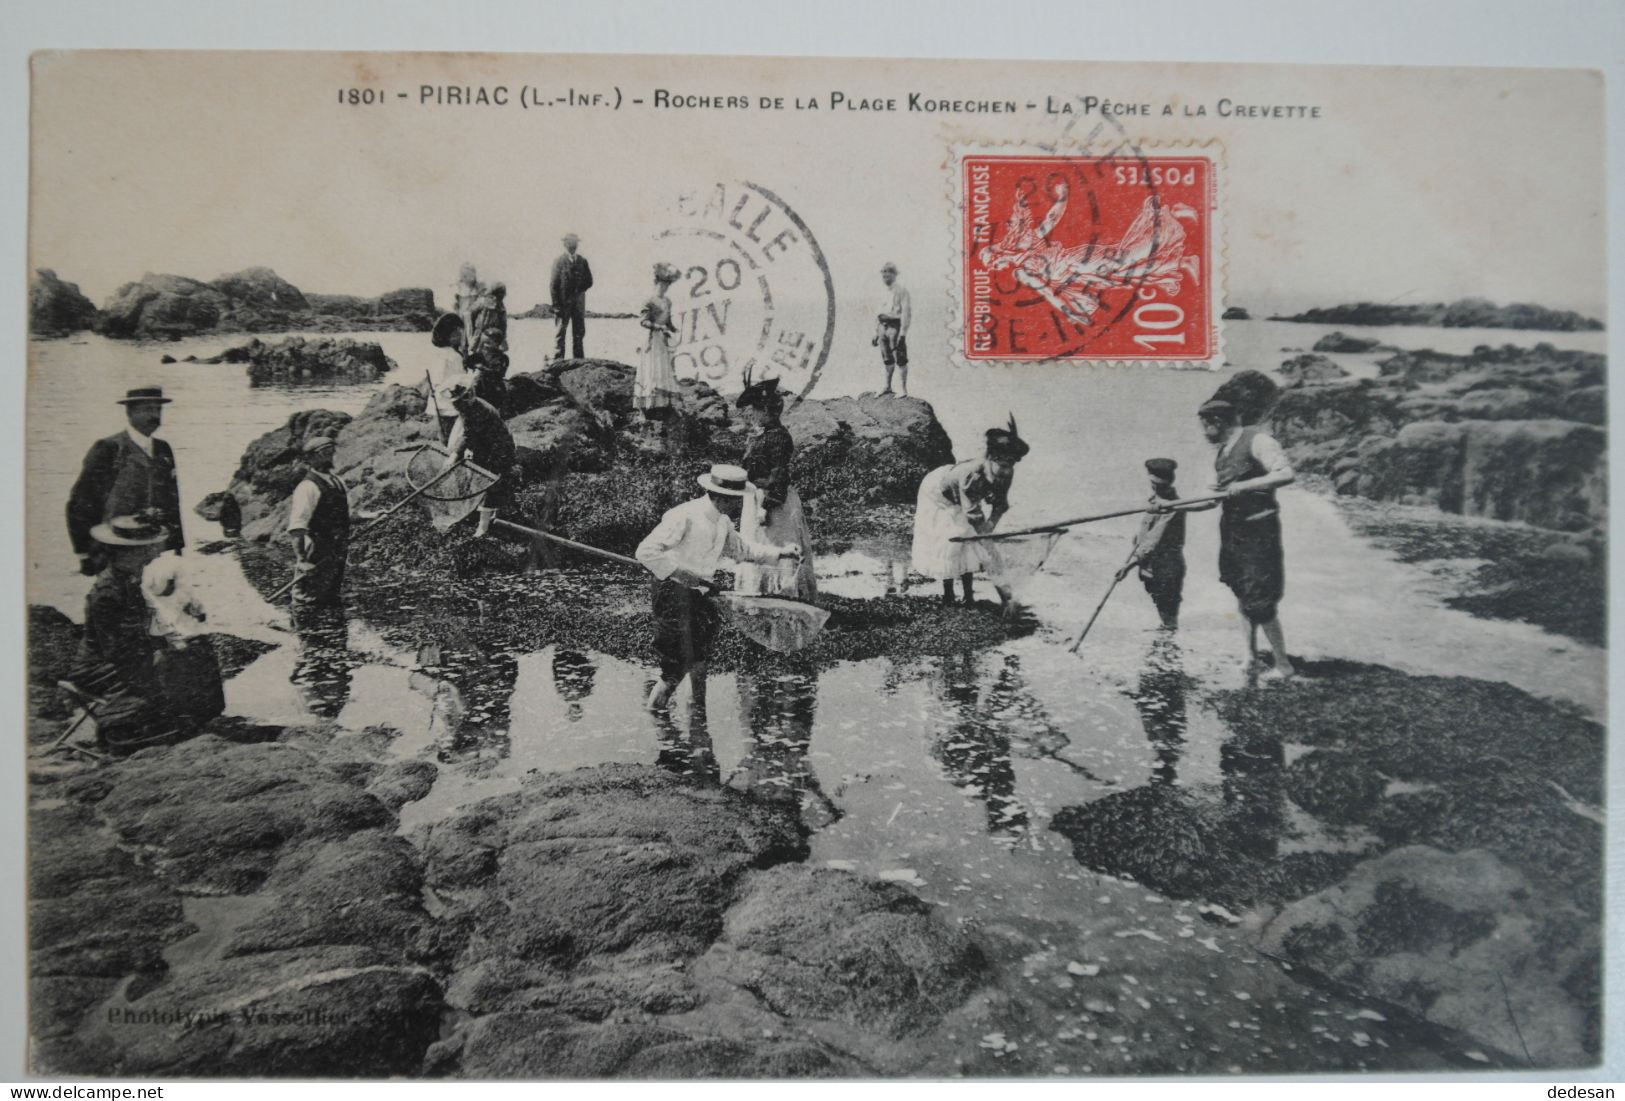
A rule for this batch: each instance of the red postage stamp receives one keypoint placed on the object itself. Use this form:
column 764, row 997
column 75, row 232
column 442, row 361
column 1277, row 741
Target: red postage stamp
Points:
column 1088, row 258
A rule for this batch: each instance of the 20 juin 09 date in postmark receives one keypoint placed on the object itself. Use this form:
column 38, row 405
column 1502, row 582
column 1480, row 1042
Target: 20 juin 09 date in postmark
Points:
column 1088, row 257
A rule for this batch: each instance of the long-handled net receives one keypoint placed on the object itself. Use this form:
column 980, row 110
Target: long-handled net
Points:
column 452, row 497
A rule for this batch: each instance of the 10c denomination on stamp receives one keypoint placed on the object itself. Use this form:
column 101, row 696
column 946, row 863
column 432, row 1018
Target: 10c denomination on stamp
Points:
column 1088, row 257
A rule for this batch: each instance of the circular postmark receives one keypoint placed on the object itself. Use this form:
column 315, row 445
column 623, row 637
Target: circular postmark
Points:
column 1087, row 249
column 755, row 294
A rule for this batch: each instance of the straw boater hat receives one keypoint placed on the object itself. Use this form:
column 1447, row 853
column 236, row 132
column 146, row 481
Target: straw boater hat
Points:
column 145, row 394
column 130, row 531
column 726, row 479
column 440, row 335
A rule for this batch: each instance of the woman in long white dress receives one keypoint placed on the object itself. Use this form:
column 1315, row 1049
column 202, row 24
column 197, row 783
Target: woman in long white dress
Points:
column 772, row 510
column 965, row 498
column 654, row 389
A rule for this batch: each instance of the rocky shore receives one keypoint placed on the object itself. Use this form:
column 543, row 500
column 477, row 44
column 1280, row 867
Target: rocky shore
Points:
column 1502, row 434
column 297, row 360
column 254, row 300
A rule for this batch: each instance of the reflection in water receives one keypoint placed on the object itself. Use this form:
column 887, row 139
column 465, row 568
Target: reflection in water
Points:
column 1160, row 700
column 975, row 748
column 688, row 752
column 1254, row 794
column 324, row 666
column 573, row 674
column 778, row 711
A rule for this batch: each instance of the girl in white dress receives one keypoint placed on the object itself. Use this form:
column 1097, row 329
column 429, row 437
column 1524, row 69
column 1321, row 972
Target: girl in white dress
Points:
column 966, row 498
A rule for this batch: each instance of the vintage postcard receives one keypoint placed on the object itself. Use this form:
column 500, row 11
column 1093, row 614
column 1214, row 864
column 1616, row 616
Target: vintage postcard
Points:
column 668, row 567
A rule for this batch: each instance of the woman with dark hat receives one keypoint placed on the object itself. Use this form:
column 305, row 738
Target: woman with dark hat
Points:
column 654, row 388
column 965, row 498
column 772, row 512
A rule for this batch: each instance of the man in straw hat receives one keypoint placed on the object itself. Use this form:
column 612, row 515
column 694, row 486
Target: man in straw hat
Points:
column 684, row 552
column 1159, row 546
column 319, row 525
column 124, row 474
column 572, row 279
column 1248, row 467
column 891, row 328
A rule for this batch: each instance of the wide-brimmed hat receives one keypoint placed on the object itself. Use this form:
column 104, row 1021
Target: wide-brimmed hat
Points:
column 318, row 443
column 667, row 273
column 1005, row 444
column 725, row 478
column 499, row 290
column 440, row 335
column 760, row 395
column 130, row 531
column 143, row 394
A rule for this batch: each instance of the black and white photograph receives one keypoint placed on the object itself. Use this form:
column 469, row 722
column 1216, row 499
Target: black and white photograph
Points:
column 566, row 566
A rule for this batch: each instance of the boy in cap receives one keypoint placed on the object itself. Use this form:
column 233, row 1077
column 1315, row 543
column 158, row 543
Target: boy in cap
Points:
column 891, row 328
column 1248, row 467
column 684, row 552
column 1159, row 546
column 319, row 525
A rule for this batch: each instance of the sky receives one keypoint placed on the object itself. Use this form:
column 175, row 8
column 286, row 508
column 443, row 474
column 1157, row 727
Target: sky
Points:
column 1413, row 185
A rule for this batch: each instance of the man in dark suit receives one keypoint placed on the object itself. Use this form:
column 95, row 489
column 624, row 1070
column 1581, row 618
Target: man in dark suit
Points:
column 125, row 474
column 572, row 278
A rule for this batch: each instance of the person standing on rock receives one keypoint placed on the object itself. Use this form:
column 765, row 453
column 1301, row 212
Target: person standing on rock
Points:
column 772, row 512
column 1159, row 546
column 966, row 498
column 467, row 293
column 684, row 552
column 891, row 328
column 572, row 279
column 124, row 474
column 319, row 525
column 1248, row 467
column 654, row 389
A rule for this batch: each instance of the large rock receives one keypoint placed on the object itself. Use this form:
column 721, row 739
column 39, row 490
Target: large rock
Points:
column 1309, row 368
column 215, row 816
column 1477, row 313
column 56, row 308
column 298, row 360
column 827, row 945
column 1547, row 473
column 338, row 1011
column 1460, row 939
column 1342, row 342
column 163, row 307
column 865, row 450
column 261, row 289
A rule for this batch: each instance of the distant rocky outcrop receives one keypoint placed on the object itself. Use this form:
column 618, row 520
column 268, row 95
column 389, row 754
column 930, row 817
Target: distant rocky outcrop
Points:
column 1342, row 342
column 298, row 360
column 1235, row 313
column 1508, row 433
column 1464, row 313
column 56, row 308
column 543, row 311
column 254, row 300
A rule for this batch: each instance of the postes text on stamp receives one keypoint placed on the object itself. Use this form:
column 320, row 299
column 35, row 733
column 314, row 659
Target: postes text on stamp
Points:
column 1088, row 258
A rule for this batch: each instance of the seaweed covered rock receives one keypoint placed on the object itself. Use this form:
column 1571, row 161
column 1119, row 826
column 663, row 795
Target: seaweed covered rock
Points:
column 57, row 308
column 1309, row 369
column 1461, row 939
column 828, row 945
column 867, row 449
column 297, row 360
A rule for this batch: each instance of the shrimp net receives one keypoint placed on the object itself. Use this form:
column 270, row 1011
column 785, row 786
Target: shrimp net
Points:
column 451, row 496
column 783, row 626
column 1012, row 560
